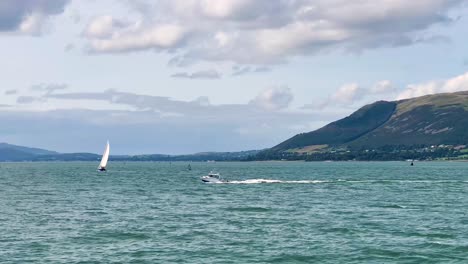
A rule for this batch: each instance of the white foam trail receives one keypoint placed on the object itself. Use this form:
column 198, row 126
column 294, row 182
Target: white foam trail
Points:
column 257, row 181
column 400, row 181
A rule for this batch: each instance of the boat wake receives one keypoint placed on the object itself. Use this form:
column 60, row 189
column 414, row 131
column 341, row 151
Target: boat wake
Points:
column 266, row 181
column 258, row 181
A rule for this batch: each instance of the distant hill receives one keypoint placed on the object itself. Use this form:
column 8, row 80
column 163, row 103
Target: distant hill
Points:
column 423, row 121
column 10, row 152
column 33, row 151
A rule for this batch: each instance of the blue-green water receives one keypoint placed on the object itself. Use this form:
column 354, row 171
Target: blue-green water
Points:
column 350, row 212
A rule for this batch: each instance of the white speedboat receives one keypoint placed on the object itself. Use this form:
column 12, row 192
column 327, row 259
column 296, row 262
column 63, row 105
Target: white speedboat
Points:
column 212, row 177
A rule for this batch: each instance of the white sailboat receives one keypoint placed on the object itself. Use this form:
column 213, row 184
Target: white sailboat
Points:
column 105, row 157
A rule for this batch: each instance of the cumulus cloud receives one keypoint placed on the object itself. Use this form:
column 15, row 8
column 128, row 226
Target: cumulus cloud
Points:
column 208, row 74
column 243, row 11
column 108, row 35
column 350, row 94
column 28, row 16
column 383, row 87
column 347, row 94
column 456, row 84
column 103, row 26
column 263, row 31
column 272, row 99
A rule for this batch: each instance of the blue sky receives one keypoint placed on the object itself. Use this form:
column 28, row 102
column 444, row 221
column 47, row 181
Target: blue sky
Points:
column 184, row 76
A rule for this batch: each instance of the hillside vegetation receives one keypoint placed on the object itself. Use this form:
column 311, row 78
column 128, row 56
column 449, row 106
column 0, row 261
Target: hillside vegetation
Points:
column 406, row 126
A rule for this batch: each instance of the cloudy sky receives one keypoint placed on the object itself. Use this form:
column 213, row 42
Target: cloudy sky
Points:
column 183, row 76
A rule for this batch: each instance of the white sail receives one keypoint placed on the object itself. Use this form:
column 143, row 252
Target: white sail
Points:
column 105, row 157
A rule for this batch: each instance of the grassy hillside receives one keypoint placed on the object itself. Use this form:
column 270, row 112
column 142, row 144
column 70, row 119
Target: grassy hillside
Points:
column 345, row 130
column 423, row 121
column 428, row 120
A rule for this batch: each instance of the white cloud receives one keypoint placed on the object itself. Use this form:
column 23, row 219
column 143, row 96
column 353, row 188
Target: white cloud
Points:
column 383, row 87
column 272, row 99
column 458, row 83
column 298, row 37
column 223, row 8
column 103, row 26
column 32, row 24
column 347, row 94
column 222, row 38
column 350, row 94
column 110, row 38
column 263, row 31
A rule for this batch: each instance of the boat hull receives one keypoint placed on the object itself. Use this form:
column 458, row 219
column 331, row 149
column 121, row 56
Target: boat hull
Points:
column 207, row 179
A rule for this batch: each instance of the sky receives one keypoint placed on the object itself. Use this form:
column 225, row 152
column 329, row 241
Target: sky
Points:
column 186, row 76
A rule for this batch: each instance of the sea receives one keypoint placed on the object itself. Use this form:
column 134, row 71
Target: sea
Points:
column 268, row 212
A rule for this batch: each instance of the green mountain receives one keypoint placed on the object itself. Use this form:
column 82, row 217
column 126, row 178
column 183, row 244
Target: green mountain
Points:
column 428, row 120
column 423, row 121
column 345, row 130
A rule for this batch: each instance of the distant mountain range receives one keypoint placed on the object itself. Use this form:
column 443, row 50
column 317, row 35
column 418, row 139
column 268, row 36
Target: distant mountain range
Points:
column 411, row 124
column 10, row 152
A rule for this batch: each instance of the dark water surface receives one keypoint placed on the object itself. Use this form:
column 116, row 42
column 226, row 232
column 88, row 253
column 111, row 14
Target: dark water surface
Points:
column 349, row 212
